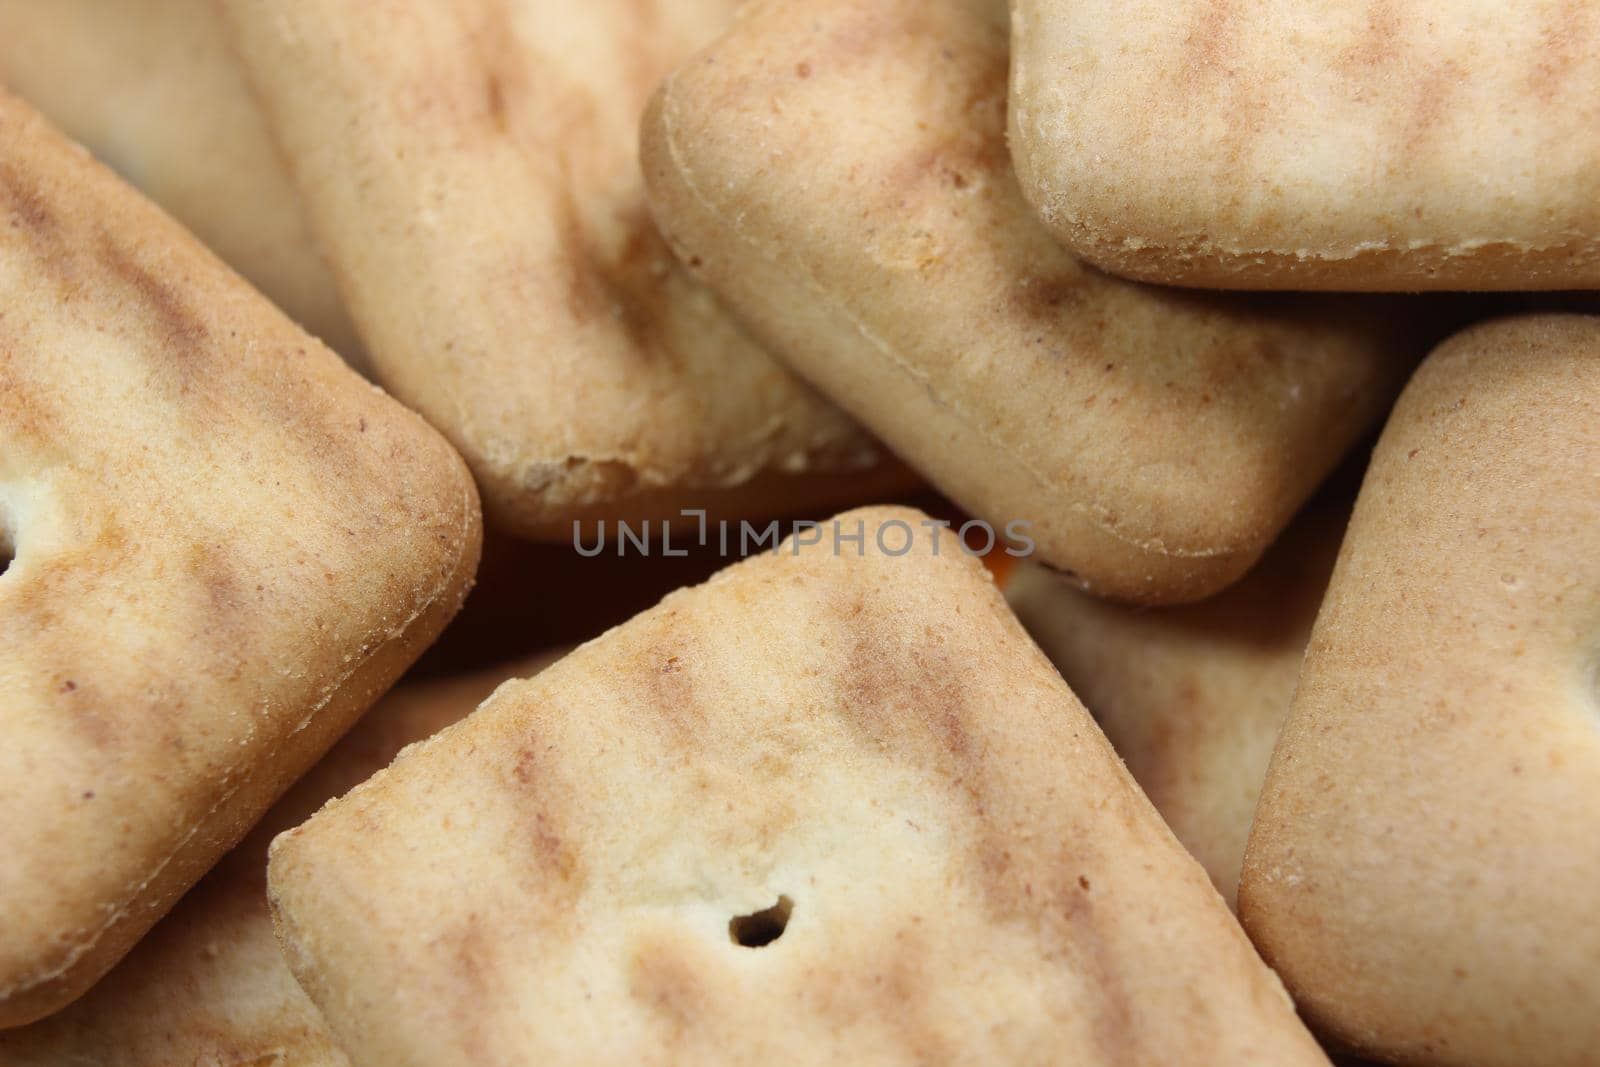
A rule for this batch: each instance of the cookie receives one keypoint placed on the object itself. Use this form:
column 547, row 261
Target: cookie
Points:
column 1424, row 857
column 830, row 807
column 1280, row 145
column 471, row 170
column 1153, row 442
column 221, row 546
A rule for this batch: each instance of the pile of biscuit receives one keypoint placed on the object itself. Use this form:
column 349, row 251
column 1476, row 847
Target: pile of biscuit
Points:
column 1132, row 298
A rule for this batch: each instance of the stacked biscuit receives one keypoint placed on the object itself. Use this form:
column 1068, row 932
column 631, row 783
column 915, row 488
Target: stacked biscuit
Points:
column 1133, row 287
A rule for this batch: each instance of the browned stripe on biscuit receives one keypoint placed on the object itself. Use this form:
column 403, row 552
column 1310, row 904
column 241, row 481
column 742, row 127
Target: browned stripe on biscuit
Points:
column 177, row 320
column 557, row 860
column 660, row 977
column 1433, row 105
column 887, row 992
column 26, row 210
column 621, row 285
column 1211, row 42
column 1379, row 42
column 473, row 949
column 505, row 76
column 1566, row 41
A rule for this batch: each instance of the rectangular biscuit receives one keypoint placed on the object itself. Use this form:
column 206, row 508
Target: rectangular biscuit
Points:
column 1379, row 147
column 830, row 807
column 1423, row 862
column 224, row 546
column 838, row 171
column 471, row 170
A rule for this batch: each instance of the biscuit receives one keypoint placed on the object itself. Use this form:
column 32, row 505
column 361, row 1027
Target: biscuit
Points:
column 1156, row 441
column 1424, row 859
column 208, row 985
column 226, row 546
column 472, row 171
column 1192, row 698
column 1280, row 145
column 830, row 807
column 152, row 88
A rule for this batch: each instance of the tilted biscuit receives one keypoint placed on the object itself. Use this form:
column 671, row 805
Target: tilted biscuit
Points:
column 226, row 545
column 1279, row 145
column 1424, row 859
column 1156, row 441
column 208, row 984
column 472, row 171
column 1192, row 698
column 830, row 807
column 151, row 87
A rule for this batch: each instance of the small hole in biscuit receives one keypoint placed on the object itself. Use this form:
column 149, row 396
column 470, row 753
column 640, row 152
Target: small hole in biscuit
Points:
column 7, row 552
column 763, row 927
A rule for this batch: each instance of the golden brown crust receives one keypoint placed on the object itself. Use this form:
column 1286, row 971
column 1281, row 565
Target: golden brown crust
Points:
column 1192, row 698
column 971, row 875
column 208, row 984
column 1423, row 862
column 151, row 87
column 471, row 169
column 1280, row 145
column 1157, row 441
column 227, row 546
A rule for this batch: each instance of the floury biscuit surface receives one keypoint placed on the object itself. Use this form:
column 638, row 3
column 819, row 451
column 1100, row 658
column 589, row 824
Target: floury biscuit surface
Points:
column 222, row 545
column 152, row 88
column 471, row 169
column 208, row 985
column 1157, row 441
column 1280, row 144
column 1423, row 865
column 829, row 807
column 1192, row 698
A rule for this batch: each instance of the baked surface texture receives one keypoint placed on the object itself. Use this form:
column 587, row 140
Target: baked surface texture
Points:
column 1156, row 440
column 227, row 545
column 153, row 90
column 1423, row 861
column 208, row 985
column 1280, row 145
column 471, row 170
column 868, row 743
column 1192, row 697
